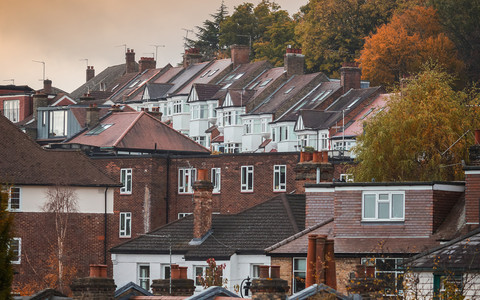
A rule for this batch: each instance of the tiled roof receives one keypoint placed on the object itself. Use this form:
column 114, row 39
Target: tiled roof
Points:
column 351, row 97
column 314, row 119
column 185, row 78
column 157, row 90
column 250, row 231
column 137, row 130
column 107, row 77
column 205, row 91
column 25, row 162
column 209, row 74
column 240, row 97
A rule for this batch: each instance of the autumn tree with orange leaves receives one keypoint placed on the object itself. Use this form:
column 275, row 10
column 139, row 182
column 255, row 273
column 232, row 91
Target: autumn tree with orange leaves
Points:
column 400, row 48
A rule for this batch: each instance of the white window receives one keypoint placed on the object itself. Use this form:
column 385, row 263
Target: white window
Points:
column 199, row 272
column 255, row 270
column 264, row 125
column 389, row 271
column 324, row 141
column 177, row 107
column 58, row 123
column 183, row 215
column 383, row 206
column 346, row 177
column 247, row 179
column 201, row 140
column 247, row 127
column 16, row 246
column 125, row 224
column 165, row 271
column 126, row 179
column 279, row 178
column 299, row 274
column 144, row 276
column 186, row 178
column 216, row 179
column 232, row 148
column 227, row 118
column 11, row 110
column 14, row 198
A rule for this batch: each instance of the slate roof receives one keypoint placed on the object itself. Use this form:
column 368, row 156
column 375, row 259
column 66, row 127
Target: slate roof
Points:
column 157, row 90
column 25, row 163
column 136, row 130
column 239, row 97
column 184, row 78
column 132, row 84
column 212, row 293
column 250, row 71
column 209, row 74
column 462, row 254
column 314, row 119
column 351, row 97
column 15, row 89
column 248, row 232
column 205, row 91
column 129, row 290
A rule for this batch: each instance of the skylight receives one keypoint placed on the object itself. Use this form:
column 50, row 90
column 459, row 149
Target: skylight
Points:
column 134, row 83
column 205, row 74
column 367, row 113
column 239, row 75
column 266, row 82
column 99, row 129
column 226, row 86
column 354, row 101
column 211, row 74
column 289, row 90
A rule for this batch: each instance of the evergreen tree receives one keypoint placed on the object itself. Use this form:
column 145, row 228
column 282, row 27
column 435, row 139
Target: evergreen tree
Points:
column 6, row 254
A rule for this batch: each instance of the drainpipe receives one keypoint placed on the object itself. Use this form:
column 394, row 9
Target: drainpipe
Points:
column 167, row 207
column 105, row 230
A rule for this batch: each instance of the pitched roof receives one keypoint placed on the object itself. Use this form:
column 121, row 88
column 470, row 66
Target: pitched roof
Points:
column 136, row 130
column 26, row 163
column 157, row 90
column 320, row 289
column 314, row 119
column 250, row 231
column 209, row 74
column 204, row 91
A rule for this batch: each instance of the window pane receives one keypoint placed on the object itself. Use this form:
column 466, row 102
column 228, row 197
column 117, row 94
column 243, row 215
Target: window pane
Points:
column 383, row 210
column 300, row 265
column 397, row 206
column 369, row 206
column 383, row 197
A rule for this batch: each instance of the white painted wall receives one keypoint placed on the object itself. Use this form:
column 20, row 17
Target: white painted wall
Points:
column 423, row 289
column 89, row 199
column 125, row 267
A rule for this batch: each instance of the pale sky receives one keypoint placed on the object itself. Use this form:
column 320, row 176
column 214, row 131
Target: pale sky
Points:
column 63, row 32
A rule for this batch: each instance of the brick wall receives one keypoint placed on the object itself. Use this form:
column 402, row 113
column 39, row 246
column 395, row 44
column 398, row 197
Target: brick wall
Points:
column 443, row 202
column 26, row 105
column 472, row 199
column 319, row 208
column 344, row 267
column 286, row 269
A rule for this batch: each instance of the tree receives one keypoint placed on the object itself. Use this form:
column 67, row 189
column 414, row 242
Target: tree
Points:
column 332, row 32
column 207, row 41
column 6, row 253
column 61, row 201
column 402, row 46
column 240, row 27
column 460, row 20
column 422, row 135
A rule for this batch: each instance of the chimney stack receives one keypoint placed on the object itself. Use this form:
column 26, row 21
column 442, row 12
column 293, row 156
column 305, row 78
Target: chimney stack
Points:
column 191, row 56
column 312, row 168
column 130, row 61
column 90, row 72
column 180, row 284
column 93, row 116
column 97, row 286
column 268, row 288
column 350, row 76
column 240, row 55
column 294, row 62
column 146, row 63
column 47, row 86
column 202, row 212
column 39, row 100
column 320, row 261
column 155, row 112
column 472, row 185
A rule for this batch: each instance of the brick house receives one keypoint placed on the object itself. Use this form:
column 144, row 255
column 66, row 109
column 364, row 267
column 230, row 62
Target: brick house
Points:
column 28, row 173
column 16, row 102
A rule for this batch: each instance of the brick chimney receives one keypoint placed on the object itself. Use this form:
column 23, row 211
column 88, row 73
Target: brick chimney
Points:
column 312, row 168
column 240, row 55
column 294, row 62
column 269, row 287
column 350, row 76
column 191, row 56
column 47, row 86
column 155, row 112
column 202, row 211
column 472, row 185
column 90, row 72
column 130, row 61
column 93, row 116
column 97, row 286
column 146, row 63
column 320, row 261
column 177, row 285
column 39, row 100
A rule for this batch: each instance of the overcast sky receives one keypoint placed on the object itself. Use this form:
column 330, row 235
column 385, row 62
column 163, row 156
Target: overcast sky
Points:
column 63, row 32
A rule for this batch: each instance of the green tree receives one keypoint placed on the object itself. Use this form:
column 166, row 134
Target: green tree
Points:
column 207, row 37
column 6, row 254
column 461, row 21
column 240, row 27
column 421, row 135
column 332, row 31
column 402, row 46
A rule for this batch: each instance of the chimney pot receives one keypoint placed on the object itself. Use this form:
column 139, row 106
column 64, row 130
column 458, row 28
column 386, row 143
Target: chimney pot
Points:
column 98, row 271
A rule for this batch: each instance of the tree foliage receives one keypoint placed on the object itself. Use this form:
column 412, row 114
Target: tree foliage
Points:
column 422, row 135
column 332, row 31
column 6, row 254
column 402, row 46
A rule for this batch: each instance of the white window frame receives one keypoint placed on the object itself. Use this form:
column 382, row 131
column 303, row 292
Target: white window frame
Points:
column 18, row 255
column 346, row 177
column 183, row 215
column 246, row 176
column 255, row 270
column 10, row 208
column 216, row 179
column 165, row 269
column 397, row 271
column 54, row 128
column 195, row 274
column 378, row 201
column 296, row 271
column 141, row 278
column 125, row 226
column 186, row 178
column 278, row 170
column 126, row 179
column 11, row 110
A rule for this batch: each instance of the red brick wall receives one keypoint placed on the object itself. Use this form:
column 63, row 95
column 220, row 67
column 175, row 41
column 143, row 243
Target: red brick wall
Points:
column 319, row 208
column 84, row 246
column 443, row 203
column 472, row 199
column 26, row 105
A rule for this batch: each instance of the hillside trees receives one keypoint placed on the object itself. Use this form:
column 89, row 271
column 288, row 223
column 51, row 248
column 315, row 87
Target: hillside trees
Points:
column 332, row 32
column 422, row 135
column 6, row 253
column 400, row 47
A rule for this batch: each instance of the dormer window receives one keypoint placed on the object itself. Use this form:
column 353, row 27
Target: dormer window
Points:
column 383, row 206
column 266, row 82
